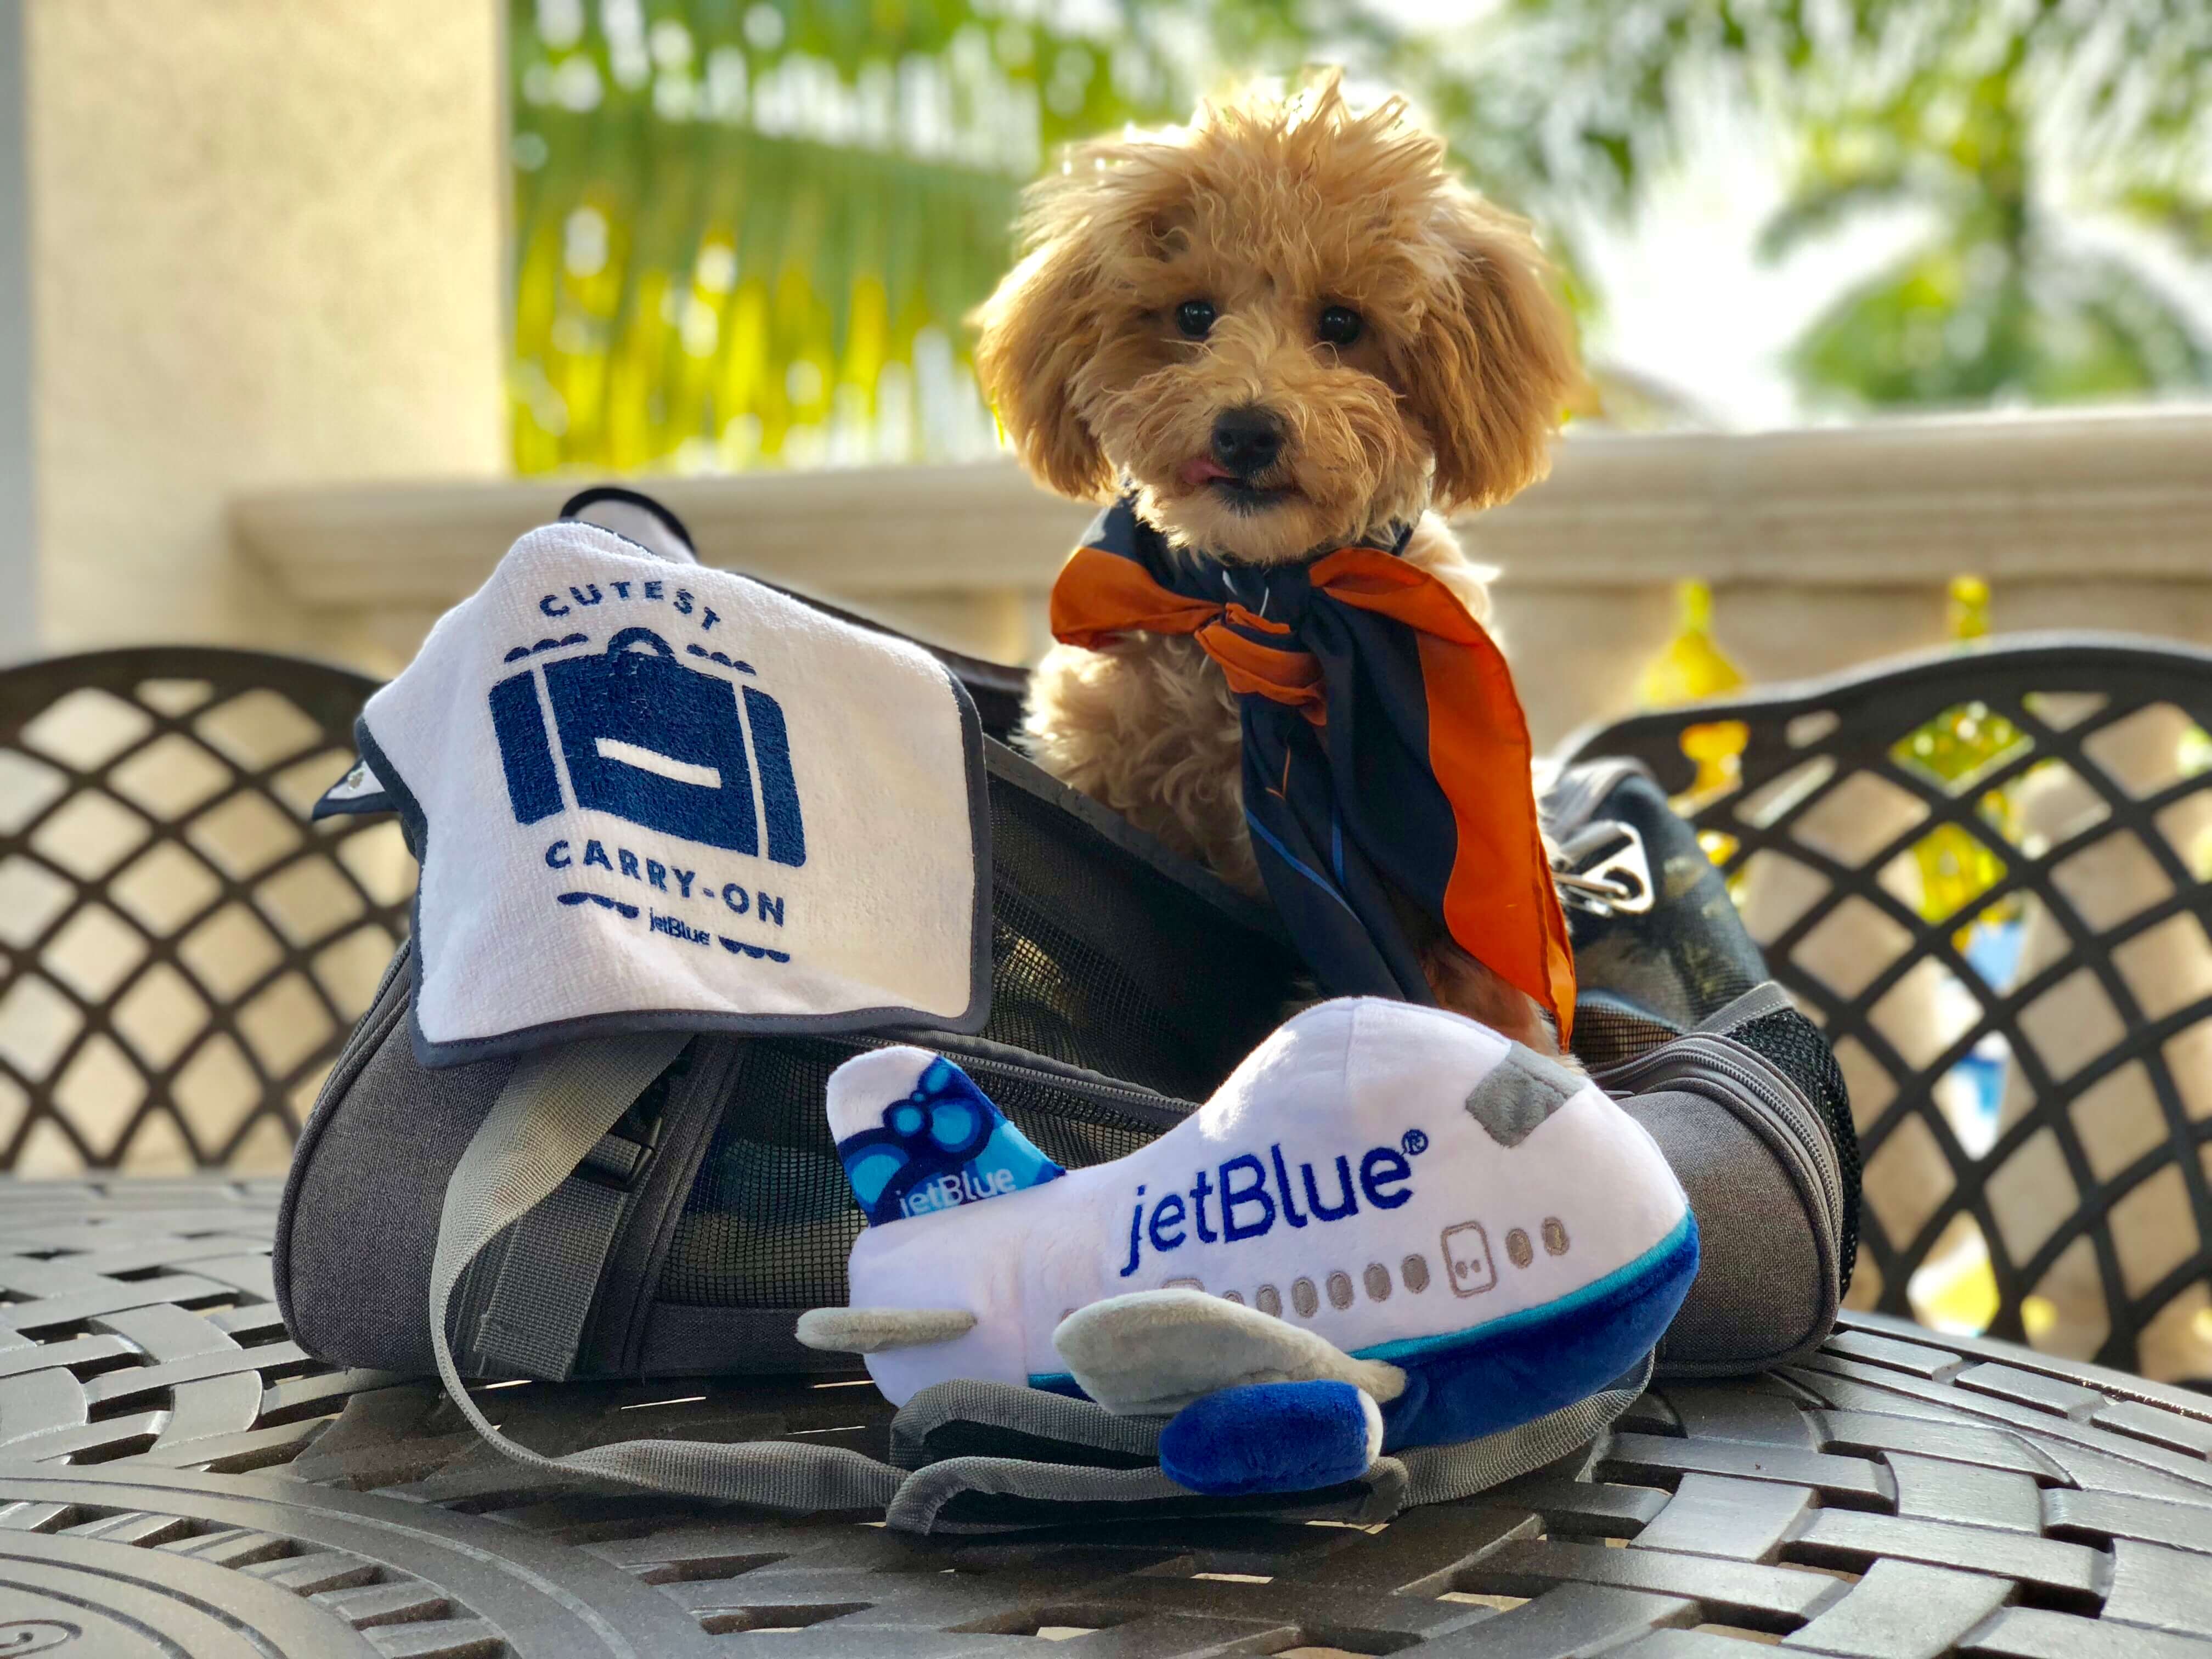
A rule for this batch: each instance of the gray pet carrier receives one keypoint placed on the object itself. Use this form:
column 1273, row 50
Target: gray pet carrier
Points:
column 686, row 1239
column 1125, row 984
column 666, row 1205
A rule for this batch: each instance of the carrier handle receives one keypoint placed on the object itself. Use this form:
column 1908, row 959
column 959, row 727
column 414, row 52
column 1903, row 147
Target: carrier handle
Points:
column 630, row 636
column 555, row 1105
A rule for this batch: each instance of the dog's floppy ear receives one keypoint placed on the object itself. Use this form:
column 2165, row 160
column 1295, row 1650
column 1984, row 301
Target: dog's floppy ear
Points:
column 1498, row 364
column 1041, row 326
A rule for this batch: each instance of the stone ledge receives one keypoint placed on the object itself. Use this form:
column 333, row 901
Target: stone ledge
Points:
column 2125, row 494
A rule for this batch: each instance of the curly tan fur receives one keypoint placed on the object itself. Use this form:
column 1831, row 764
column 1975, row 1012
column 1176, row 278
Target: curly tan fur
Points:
column 1270, row 210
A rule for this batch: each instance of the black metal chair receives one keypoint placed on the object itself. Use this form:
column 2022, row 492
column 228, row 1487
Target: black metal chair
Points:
column 184, row 953
column 181, row 951
column 2062, row 789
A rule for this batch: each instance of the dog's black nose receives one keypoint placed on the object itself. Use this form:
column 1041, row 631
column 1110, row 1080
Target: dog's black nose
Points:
column 1247, row 441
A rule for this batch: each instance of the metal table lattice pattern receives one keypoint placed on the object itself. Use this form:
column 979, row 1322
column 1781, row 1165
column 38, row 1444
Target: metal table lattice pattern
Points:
column 175, row 1477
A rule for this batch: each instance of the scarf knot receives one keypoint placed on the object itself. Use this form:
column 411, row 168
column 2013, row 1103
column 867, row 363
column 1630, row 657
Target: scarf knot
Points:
column 1384, row 749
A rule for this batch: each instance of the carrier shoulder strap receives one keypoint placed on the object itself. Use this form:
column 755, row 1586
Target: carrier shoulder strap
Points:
column 557, row 1105
column 552, row 1116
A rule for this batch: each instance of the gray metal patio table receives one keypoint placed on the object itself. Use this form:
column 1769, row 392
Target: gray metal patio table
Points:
column 178, row 1479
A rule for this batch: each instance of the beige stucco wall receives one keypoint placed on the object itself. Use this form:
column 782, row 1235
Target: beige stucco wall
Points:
column 266, row 249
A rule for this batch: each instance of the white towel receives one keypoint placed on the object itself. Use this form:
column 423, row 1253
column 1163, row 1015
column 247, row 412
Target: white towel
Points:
column 651, row 794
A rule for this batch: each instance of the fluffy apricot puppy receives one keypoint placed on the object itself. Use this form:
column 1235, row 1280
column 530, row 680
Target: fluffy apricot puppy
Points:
column 1287, row 329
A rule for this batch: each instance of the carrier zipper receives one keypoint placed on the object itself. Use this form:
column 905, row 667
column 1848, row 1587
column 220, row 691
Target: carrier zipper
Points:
column 1144, row 1105
column 982, row 1058
column 1753, row 1071
column 1697, row 1056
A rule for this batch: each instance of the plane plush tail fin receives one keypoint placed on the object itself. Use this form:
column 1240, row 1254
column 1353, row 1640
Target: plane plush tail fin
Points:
column 916, row 1136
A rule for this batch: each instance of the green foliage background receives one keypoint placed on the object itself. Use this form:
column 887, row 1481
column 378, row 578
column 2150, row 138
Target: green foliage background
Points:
column 746, row 230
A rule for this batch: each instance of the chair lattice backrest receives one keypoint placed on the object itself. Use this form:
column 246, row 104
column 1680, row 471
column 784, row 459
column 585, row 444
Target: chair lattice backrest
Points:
column 181, row 951
column 1984, row 873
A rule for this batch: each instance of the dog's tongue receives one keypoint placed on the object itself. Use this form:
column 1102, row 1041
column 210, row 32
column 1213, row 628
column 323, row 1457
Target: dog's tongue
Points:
column 1202, row 470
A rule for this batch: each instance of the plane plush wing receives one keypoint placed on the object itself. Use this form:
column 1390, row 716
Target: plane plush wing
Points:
column 1155, row 1352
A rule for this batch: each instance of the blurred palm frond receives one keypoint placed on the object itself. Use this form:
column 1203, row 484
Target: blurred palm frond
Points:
column 747, row 231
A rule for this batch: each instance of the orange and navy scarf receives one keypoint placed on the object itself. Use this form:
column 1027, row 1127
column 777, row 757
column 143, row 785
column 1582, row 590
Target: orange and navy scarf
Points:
column 1383, row 748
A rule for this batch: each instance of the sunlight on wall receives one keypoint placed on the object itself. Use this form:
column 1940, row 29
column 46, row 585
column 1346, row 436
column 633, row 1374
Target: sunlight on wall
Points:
column 265, row 248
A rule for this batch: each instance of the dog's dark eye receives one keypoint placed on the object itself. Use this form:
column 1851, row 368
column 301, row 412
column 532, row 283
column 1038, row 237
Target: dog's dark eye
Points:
column 1194, row 318
column 1340, row 326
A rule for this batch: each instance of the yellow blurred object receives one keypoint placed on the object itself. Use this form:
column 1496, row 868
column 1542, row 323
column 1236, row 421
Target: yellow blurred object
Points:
column 2039, row 1315
column 1959, row 1296
column 1717, row 748
column 1956, row 866
column 1969, row 608
column 1693, row 667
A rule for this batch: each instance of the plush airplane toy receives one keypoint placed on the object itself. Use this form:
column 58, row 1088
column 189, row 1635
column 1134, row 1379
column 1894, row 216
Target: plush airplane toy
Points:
column 1390, row 1227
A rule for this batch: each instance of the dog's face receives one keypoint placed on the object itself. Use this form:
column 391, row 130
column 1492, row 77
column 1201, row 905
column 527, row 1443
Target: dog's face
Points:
column 1286, row 324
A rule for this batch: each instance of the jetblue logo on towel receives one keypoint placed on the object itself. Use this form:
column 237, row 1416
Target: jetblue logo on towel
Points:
column 643, row 736
column 1248, row 1194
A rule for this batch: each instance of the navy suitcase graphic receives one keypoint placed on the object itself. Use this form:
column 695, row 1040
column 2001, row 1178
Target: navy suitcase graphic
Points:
column 647, row 739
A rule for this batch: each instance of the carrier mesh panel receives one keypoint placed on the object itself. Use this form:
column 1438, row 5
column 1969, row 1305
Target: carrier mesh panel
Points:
column 1098, row 961
column 1101, row 962
column 1789, row 1040
column 1689, row 958
column 770, row 1220
column 1607, row 1032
